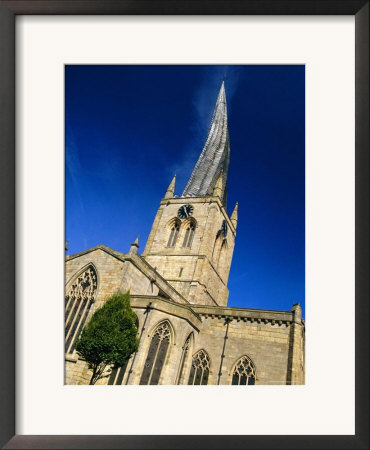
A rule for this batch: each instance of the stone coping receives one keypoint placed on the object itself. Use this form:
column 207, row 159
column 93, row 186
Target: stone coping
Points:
column 169, row 307
column 118, row 255
column 140, row 263
column 245, row 314
column 156, row 278
column 194, row 313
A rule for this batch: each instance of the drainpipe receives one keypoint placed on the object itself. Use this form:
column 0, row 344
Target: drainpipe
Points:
column 227, row 321
column 147, row 311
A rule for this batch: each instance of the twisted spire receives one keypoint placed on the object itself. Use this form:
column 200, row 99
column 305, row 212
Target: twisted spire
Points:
column 215, row 155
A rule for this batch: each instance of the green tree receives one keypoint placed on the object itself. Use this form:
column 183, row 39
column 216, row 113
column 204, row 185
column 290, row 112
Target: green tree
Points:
column 110, row 337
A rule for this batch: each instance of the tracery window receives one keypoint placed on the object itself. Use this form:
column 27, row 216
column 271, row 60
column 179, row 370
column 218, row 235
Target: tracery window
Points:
column 184, row 356
column 189, row 235
column 156, row 354
column 244, row 372
column 78, row 301
column 200, row 368
column 175, row 227
column 117, row 374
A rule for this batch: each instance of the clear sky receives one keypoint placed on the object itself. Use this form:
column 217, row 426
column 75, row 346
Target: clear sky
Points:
column 129, row 129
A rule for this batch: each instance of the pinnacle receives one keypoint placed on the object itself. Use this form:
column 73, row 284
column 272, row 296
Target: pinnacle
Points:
column 234, row 215
column 134, row 246
column 171, row 188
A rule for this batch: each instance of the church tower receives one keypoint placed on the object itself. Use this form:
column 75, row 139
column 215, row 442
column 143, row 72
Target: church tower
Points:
column 191, row 242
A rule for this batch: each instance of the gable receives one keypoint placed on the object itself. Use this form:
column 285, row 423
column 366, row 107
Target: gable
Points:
column 121, row 272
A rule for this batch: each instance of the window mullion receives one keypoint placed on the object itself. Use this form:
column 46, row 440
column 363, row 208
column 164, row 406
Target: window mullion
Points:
column 154, row 360
column 73, row 320
column 74, row 334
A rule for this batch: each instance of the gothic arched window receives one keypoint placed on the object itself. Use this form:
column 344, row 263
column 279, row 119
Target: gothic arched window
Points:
column 156, row 354
column 189, row 234
column 184, row 357
column 79, row 298
column 117, row 374
column 174, row 232
column 200, row 368
column 244, row 372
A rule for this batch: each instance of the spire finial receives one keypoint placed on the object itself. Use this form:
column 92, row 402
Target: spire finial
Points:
column 171, row 188
column 234, row 215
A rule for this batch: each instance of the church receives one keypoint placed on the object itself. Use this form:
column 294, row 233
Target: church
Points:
column 178, row 288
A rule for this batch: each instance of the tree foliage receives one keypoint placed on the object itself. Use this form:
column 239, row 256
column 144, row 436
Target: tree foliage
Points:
column 110, row 337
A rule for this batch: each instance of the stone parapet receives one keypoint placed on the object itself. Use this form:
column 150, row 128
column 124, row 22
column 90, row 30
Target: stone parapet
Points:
column 258, row 315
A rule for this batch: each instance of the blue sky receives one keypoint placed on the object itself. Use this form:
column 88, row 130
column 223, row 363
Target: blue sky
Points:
column 129, row 129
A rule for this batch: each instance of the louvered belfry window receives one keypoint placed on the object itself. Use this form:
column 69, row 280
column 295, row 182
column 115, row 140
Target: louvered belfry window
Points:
column 244, row 372
column 78, row 301
column 173, row 234
column 156, row 354
column 200, row 368
column 189, row 235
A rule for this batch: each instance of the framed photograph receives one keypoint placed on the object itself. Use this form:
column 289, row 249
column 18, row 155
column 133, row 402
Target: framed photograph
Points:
column 191, row 226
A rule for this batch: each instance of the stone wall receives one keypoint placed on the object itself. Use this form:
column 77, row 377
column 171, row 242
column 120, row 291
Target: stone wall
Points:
column 199, row 273
column 109, row 271
column 273, row 340
column 265, row 344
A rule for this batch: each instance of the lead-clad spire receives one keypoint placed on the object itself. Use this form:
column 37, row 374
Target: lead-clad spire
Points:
column 215, row 155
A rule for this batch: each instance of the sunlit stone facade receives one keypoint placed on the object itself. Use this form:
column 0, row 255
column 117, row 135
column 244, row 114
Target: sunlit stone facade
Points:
column 178, row 287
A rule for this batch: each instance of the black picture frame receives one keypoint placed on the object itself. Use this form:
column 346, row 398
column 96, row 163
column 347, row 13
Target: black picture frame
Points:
column 8, row 11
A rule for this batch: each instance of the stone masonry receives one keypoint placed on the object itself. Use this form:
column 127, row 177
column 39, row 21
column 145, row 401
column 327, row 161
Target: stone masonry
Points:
column 178, row 287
